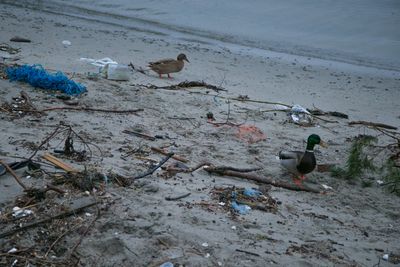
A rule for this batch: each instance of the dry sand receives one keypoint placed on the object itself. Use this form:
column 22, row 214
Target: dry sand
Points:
column 349, row 226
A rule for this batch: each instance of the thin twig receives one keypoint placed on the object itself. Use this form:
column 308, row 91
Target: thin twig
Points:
column 244, row 100
column 14, row 174
column 83, row 109
column 146, row 136
column 185, row 84
column 89, row 227
column 60, row 237
column 169, row 155
column 175, row 157
column 373, row 124
column 45, row 141
column 248, row 252
column 177, row 197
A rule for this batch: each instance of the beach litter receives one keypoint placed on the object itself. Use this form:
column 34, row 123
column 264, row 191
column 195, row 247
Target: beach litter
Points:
column 110, row 69
column 392, row 258
column 38, row 77
column 300, row 116
column 242, row 200
column 116, row 72
column 18, row 212
column 99, row 62
column 167, row 264
column 66, row 43
column 250, row 134
column 9, row 49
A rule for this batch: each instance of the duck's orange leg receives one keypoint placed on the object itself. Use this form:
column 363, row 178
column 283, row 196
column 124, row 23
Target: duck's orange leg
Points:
column 299, row 180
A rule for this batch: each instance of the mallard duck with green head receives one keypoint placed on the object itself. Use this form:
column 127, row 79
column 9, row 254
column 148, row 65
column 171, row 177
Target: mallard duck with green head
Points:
column 300, row 163
column 167, row 66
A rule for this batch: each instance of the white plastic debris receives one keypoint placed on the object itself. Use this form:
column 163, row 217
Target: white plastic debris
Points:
column 207, row 255
column 167, row 264
column 300, row 115
column 326, row 187
column 205, row 244
column 14, row 263
column 66, row 43
column 295, row 118
column 233, row 227
column 98, row 62
column 116, row 72
column 379, row 182
column 385, row 257
column 18, row 212
column 13, row 250
column 219, row 263
column 280, row 107
column 221, row 203
column 299, row 109
column 88, row 214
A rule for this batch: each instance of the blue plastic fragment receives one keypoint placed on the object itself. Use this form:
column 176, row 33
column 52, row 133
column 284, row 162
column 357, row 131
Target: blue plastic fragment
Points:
column 250, row 192
column 37, row 76
column 241, row 209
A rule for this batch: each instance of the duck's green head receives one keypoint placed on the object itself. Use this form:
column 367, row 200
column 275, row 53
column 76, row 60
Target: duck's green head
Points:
column 313, row 140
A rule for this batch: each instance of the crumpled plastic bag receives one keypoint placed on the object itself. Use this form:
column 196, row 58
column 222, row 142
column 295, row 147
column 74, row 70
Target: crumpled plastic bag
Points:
column 300, row 116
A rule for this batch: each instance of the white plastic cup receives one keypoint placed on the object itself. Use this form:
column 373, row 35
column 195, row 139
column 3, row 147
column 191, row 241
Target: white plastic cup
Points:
column 116, row 72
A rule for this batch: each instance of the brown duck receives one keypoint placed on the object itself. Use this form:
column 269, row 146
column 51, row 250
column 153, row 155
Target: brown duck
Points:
column 167, row 66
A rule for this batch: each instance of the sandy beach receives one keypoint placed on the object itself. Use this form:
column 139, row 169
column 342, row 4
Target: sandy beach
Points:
column 136, row 225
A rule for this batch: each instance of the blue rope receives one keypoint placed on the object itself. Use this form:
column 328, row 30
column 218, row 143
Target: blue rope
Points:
column 37, row 76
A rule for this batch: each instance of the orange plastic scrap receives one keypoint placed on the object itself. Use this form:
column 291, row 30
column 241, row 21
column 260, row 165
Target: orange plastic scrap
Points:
column 250, row 134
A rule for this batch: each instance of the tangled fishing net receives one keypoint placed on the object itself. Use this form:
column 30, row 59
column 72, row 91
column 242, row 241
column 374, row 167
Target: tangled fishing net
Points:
column 38, row 77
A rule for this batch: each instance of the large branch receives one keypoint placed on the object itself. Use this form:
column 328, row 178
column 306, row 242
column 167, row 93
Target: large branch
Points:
column 82, row 109
column 374, row 124
column 254, row 177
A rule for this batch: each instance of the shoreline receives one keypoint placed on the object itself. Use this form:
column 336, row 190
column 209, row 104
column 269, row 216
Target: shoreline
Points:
column 171, row 32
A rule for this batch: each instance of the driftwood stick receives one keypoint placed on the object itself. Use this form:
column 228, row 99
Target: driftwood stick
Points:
column 228, row 168
column 248, row 252
column 149, row 137
column 184, row 84
column 254, row 177
column 161, row 151
column 138, row 69
column 14, row 174
column 177, row 169
column 82, row 109
column 244, row 100
column 58, row 216
column 373, row 124
column 169, row 155
column 93, row 109
column 318, row 112
column 178, row 197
